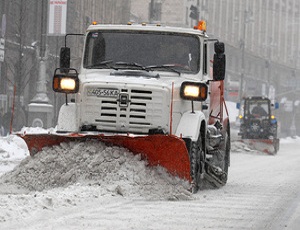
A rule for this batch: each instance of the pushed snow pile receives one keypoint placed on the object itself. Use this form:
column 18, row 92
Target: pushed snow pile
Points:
column 238, row 146
column 111, row 169
column 12, row 148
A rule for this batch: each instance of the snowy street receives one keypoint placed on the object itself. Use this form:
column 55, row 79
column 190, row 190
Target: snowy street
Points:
column 263, row 192
column 150, row 115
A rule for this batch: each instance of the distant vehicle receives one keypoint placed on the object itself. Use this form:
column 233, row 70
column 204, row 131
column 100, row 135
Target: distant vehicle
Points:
column 258, row 125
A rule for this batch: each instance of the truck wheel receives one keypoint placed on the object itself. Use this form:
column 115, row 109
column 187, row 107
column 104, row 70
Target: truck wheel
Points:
column 276, row 146
column 221, row 159
column 197, row 159
column 217, row 171
column 227, row 154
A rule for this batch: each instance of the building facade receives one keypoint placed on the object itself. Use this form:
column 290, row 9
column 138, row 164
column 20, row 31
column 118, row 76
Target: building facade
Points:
column 262, row 43
column 24, row 32
column 263, row 50
column 262, row 40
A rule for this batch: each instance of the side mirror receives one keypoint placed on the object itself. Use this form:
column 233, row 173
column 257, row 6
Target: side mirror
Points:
column 219, row 62
column 65, row 57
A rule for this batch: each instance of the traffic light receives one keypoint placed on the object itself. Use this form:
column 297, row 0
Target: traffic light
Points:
column 194, row 14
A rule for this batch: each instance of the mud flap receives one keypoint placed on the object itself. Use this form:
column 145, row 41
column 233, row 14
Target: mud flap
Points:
column 215, row 175
column 167, row 151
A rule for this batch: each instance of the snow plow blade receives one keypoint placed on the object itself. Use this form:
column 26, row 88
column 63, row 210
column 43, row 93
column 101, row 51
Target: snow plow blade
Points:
column 269, row 146
column 167, row 151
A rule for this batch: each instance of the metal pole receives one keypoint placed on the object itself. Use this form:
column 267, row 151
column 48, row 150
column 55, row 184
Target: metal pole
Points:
column 0, row 76
column 293, row 124
column 40, row 109
column 151, row 18
column 41, row 91
column 43, row 29
column 243, row 58
column 269, row 68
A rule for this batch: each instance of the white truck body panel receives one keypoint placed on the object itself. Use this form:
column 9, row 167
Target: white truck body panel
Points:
column 189, row 125
column 67, row 119
column 149, row 104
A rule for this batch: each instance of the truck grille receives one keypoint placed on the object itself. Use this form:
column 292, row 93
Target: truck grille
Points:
column 133, row 110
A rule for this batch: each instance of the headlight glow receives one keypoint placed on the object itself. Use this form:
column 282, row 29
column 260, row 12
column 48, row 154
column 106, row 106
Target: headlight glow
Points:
column 65, row 81
column 194, row 91
column 191, row 91
column 67, row 84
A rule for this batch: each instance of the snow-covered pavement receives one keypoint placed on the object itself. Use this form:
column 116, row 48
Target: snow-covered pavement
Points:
column 262, row 192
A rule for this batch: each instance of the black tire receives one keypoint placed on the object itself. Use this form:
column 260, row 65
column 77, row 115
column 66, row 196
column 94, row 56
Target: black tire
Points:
column 227, row 153
column 276, row 146
column 223, row 161
column 220, row 159
column 197, row 159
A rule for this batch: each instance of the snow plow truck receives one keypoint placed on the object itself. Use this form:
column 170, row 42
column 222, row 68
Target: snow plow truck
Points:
column 153, row 89
column 258, row 124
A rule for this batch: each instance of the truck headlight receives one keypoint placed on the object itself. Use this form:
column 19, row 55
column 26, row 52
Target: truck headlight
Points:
column 65, row 82
column 194, row 91
column 273, row 120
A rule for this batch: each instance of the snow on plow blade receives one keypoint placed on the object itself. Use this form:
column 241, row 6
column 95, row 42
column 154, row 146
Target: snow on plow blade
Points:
column 167, row 151
column 270, row 146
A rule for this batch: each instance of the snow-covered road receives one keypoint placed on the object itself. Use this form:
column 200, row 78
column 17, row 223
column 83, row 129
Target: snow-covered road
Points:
column 263, row 192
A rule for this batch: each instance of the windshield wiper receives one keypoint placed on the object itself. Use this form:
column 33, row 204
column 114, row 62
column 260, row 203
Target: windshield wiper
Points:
column 132, row 64
column 168, row 67
column 101, row 65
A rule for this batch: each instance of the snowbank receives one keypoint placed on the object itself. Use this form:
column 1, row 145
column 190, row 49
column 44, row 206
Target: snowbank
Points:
column 112, row 170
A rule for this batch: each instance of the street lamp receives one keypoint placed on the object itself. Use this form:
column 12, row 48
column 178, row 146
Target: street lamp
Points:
column 155, row 11
column 293, row 124
column 40, row 110
column 269, row 47
column 247, row 19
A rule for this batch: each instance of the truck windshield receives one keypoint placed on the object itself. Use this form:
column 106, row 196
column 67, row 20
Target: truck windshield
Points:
column 258, row 108
column 153, row 50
